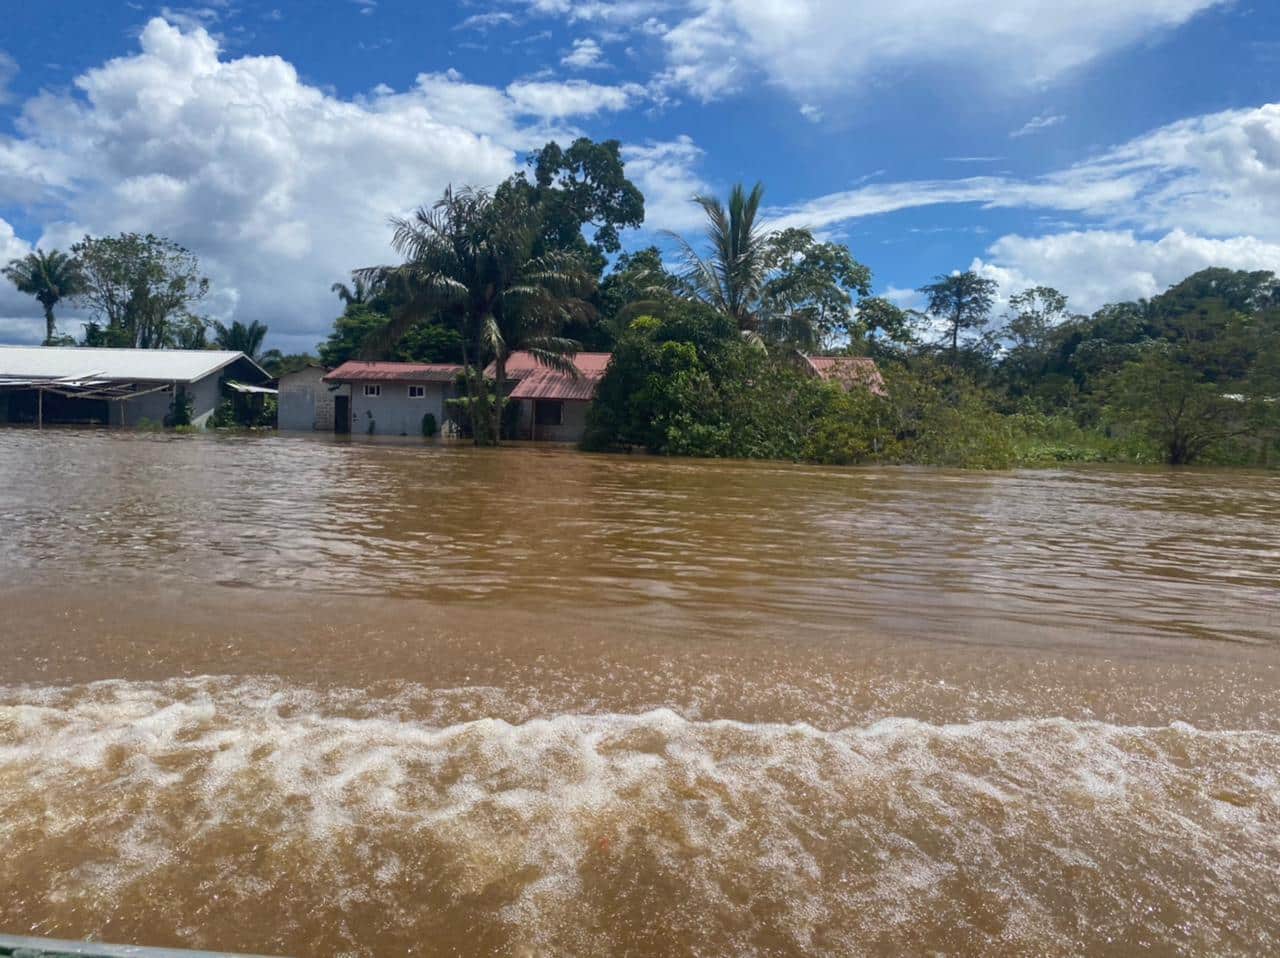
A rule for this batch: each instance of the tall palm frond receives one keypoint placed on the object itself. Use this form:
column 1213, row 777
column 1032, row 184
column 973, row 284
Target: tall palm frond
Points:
column 242, row 338
column 730, row 277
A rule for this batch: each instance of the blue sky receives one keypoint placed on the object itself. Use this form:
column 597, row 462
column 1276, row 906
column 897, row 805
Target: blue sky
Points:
column 1107, row 147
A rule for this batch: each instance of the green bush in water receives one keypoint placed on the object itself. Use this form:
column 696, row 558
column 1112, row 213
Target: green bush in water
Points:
column 428, row 425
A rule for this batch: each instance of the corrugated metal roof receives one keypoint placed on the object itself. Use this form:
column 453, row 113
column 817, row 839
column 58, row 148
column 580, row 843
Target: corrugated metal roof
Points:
column 552, row 384
column 849, row 371
column 522, row 363
column 132, row 365
column 358, row 371
column 536, row 381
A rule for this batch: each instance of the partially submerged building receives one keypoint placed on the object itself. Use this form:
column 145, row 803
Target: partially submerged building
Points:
column 391, row 399
column 554, row 402
column 851, row 372
column 46, row 385
column 308, row 404
column 386, row 398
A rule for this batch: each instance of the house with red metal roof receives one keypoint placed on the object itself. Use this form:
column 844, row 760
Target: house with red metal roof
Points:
column 392, row 399
column 851, row 372
column 553, row 402
column 387, row 398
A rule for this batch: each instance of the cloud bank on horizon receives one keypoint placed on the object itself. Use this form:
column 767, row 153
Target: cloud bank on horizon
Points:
column 282, row 182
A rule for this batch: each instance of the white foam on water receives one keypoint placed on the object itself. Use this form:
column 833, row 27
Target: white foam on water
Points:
column 815, row 841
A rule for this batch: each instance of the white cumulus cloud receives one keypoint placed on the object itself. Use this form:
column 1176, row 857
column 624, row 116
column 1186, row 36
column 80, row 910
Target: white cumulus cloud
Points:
column 280, row 187
column 666, row 172
column 585, row 55
column 816, row 47
column 1095, row 267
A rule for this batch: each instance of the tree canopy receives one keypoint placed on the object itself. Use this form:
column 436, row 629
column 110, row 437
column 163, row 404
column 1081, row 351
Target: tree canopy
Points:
column 142, row 291
column 576, row 191
column 960, row 301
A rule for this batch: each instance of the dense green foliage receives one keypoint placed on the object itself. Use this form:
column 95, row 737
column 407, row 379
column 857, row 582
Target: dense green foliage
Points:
column 1193, row 375
column 472, row 260
column 359, row 333
column 687, row 383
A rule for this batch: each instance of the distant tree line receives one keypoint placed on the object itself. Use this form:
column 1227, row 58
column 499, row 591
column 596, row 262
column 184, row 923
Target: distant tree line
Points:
column 707, row 347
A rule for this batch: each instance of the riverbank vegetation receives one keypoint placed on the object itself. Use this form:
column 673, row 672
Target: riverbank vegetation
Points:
column 709, row 334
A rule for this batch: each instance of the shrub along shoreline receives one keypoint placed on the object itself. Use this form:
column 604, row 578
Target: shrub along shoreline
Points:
column 689, row 384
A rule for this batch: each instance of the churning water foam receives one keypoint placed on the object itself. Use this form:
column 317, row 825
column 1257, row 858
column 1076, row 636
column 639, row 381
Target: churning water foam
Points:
column 343, row 829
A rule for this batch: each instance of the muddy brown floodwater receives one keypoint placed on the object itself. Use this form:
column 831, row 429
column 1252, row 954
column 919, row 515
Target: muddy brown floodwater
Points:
column 309, row 697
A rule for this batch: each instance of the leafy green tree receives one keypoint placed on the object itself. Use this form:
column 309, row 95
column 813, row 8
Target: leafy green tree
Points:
column 359, row 331
column 688, row 383
column 1179, row 408
column 961, row 301
column 279, row 364
column 1035, row 313
column 577, row 190
column 470, row 261
column 246, row 339
column 878, row 321
column 638, row 281
column 783, row 287
column 142, row 291
column 49, row 277
column 808, row 294
column 356, row 326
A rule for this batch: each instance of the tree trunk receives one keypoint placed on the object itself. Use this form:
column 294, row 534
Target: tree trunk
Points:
column 49, row 328
column 499, row 394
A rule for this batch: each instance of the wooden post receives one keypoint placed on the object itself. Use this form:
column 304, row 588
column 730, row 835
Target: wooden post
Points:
column 39, row 408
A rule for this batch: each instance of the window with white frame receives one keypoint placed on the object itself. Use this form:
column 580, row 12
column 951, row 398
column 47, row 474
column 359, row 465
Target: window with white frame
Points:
column 417, row 392
column 370, row 389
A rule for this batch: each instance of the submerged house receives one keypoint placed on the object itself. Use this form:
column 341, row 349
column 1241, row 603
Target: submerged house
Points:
column 554, row 403
column 391, row 399
column 388, row 398
column 307, row 403
column 851, row 372
column 45, row 385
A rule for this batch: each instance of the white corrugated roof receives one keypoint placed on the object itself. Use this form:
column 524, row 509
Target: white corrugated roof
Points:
column 64, row 362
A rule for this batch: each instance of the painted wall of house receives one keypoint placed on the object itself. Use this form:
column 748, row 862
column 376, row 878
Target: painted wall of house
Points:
column 306, row 403
column 572, row 428
column 393, row 413
column 205, row 395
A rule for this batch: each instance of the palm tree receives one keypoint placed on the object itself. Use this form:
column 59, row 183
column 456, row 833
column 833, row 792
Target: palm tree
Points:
column 359, row 293
column 242, row 338
column 731, row 276
column 469, row 260
column 49, row 277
